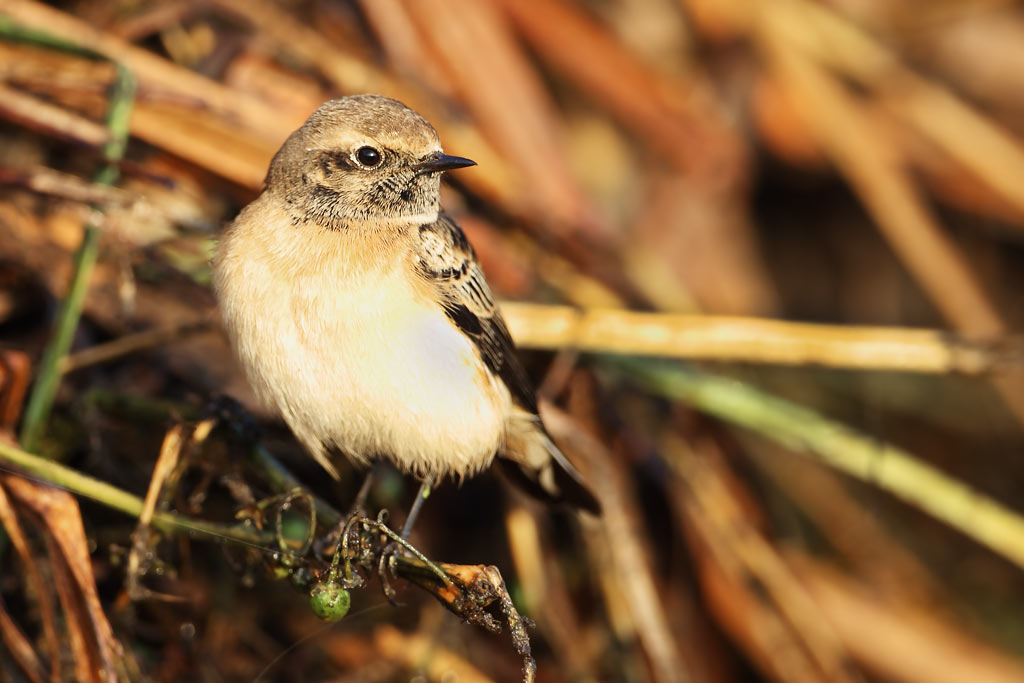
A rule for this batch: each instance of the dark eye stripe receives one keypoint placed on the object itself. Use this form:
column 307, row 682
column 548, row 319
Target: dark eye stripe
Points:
column 335, row 161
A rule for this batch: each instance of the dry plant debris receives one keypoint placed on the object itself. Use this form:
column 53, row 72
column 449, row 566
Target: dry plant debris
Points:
column 728, row 233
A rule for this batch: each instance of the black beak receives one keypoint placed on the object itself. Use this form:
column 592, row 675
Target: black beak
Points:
column 438, row 162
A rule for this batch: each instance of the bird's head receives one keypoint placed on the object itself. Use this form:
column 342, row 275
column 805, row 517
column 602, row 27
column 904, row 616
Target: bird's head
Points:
column 362, row 161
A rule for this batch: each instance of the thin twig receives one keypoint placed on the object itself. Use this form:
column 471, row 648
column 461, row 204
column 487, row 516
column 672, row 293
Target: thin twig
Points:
column 37, row 115
column 140, row 557
column 131, row 343
column 53, row 183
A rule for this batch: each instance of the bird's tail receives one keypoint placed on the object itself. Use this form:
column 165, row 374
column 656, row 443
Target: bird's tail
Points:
column 533, row 461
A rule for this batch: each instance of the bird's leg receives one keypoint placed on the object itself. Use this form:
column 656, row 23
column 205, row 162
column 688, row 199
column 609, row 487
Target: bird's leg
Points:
column 414, row 512
column 387, row 557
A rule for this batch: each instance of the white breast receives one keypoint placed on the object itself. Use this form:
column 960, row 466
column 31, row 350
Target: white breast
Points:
column 364, row 363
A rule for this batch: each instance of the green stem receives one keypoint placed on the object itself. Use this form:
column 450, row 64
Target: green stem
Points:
column 805, row 431
column 122, row 99
column 15, row 33
column 48, row 377
column 113, row 497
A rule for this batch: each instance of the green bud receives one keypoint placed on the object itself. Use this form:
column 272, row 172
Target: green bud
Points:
column 329, row 601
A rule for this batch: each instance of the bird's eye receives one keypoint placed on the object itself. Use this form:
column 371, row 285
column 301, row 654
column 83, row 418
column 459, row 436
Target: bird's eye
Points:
column 368, row 157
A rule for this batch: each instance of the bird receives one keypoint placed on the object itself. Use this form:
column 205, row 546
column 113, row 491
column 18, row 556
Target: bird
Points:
column 359, row 311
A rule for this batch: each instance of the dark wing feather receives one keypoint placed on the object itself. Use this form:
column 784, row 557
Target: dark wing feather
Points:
column 447, row 259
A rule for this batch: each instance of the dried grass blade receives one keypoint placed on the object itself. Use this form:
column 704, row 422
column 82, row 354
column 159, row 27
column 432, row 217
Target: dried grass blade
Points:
column 19, row 648
column 33, row 579
column 50, row 119
column 623, row 539
column 710, row 502
column 70, row 549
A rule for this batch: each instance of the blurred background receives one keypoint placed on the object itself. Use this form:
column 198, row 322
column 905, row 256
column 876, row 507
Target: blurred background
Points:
column 808, row 435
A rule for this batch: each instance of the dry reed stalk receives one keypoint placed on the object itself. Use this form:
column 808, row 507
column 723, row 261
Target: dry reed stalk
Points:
column 755, row 340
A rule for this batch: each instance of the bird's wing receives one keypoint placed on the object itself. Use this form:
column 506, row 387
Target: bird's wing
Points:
column 447, row 259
